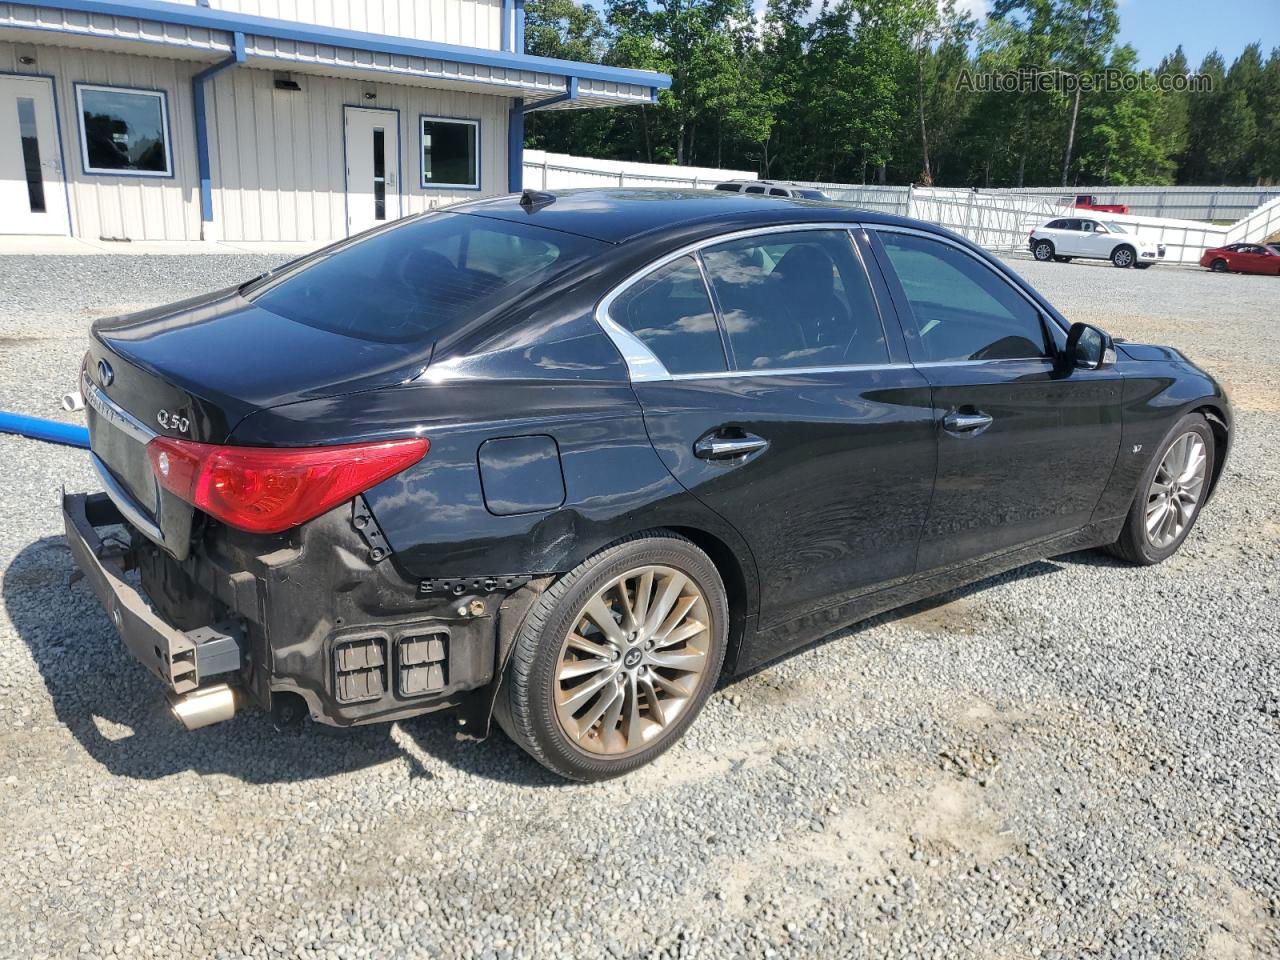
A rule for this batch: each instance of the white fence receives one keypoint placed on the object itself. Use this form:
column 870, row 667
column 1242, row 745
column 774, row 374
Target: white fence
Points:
column 560, row 171
column 1186, row 203
column 996, row 219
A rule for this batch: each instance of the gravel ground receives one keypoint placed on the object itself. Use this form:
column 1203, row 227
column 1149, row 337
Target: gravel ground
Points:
column 1074, row 759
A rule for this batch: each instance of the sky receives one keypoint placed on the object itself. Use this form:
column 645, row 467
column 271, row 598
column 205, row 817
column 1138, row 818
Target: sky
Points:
column 1155, row 27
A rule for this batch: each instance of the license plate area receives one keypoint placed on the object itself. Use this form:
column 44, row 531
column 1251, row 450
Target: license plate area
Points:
column 122, row 447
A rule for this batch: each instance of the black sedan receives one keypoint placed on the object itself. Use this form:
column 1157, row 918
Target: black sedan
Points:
column 568, row 459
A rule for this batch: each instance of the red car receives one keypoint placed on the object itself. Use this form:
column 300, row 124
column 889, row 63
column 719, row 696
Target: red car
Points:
column 1244, row 258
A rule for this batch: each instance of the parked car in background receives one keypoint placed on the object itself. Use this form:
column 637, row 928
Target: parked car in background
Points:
column 593, row 451
column 1261, row 258
column 772, row 188
column 1069, row 237
column 1087, row 201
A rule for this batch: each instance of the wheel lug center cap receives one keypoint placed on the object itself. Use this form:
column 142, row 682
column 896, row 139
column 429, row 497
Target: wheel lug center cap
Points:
column 631, row 659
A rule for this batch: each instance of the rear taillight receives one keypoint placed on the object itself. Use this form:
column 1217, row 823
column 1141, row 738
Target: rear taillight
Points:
column 268, row 489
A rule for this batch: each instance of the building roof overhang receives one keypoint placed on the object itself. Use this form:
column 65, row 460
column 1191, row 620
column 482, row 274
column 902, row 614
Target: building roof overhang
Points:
column 201, row 33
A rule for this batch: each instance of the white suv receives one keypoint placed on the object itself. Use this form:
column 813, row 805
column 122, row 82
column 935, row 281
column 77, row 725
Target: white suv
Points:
column 1065, row 239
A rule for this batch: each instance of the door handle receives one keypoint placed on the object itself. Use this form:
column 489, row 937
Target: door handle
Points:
column 967, row 424
column 717, row 447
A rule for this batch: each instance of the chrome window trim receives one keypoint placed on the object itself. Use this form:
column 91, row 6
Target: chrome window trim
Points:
column 644, row 366
column 128, row 508
column 895, row 228
column 789, row 371
column 115, row 414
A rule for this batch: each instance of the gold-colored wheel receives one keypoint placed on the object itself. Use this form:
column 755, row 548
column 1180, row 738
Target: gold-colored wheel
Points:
column 632, row 661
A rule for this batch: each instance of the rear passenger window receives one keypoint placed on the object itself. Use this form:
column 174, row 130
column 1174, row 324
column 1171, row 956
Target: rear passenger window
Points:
column 961, row 309
column 754, row 190
column 796, row 300
column 670, row 312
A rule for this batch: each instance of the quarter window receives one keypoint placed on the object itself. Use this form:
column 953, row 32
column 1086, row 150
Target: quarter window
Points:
column 450, row 153
column 796, row 300
column 124, row 131
column 670, row 312
column 961, row 309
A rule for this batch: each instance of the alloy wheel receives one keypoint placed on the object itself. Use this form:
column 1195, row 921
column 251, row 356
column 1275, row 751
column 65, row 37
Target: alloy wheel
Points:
column 633, row 661
column 1175, row 490
column 1123, row 258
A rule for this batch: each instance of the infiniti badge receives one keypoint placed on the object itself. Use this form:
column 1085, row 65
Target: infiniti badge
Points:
column 105, row 373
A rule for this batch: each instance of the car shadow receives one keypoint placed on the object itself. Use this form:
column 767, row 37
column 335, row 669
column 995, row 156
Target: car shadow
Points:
column 116, row 710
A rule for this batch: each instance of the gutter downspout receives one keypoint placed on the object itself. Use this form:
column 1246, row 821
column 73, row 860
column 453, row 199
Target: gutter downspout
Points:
column 202, row 127
column 508, row 27
column 519, row 44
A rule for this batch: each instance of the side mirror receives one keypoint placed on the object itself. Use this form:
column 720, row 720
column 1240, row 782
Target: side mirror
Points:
column 1088, row 348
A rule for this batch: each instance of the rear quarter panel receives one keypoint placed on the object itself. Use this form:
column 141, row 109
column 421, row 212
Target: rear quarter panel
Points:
column 555, row 375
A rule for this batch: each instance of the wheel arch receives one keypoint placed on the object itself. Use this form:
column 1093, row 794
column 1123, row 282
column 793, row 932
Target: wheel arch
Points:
column 1221, row 427
column 741, row 589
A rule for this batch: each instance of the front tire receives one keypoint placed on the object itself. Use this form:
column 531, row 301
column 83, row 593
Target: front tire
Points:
column 1123, row 257
column 1043, row 251
column 1219, row 266
column 1170, row 494
column 617, row 658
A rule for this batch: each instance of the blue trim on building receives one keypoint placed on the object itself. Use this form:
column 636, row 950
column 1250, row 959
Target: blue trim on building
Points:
column 515, row 146
column 507, row 24
column 57, row 135
column 570, row 94
column 172, row 161
column 202, row 124
column 209, row 19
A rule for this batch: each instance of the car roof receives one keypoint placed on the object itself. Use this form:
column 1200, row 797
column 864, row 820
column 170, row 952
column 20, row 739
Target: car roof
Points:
column 616, row 215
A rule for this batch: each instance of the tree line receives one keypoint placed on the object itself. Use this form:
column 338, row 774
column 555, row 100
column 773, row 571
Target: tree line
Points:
column 896, row 91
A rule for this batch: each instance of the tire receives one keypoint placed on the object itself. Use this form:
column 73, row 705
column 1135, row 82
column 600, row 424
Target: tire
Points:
column 1043, row 251
column 536, row 705
column 1219, row 266
column 1061, row 259
column 1135, row 544
column 1123, row 256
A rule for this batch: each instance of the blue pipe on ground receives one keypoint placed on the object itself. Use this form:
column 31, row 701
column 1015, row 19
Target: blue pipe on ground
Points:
column 50, row 430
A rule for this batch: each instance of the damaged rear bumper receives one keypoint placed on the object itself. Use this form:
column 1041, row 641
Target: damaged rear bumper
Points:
column 318, row 612
column 180, row 659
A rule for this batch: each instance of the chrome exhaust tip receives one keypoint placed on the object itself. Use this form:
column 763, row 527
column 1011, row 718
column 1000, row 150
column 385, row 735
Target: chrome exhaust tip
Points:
column 72, row 401
column 205, row 706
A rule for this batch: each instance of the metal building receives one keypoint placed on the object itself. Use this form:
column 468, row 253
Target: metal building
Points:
column 279, row 120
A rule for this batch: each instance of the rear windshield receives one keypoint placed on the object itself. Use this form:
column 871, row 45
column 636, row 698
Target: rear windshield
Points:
column 406, row 283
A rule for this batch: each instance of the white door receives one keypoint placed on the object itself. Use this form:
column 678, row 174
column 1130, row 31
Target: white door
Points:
column 32, row 196
column 1067, row 243
column 1095, row 241
column 373, row 167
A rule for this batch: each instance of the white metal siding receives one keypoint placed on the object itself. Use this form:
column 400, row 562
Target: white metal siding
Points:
column 134, row 208
column 277, row 157
column 471, row 23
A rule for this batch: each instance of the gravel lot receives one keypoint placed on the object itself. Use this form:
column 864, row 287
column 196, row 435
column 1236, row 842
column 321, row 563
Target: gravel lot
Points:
column 1074, row 759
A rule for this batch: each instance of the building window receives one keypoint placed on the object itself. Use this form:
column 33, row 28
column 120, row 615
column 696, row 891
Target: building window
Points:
column 451, row 153
column 124, row 132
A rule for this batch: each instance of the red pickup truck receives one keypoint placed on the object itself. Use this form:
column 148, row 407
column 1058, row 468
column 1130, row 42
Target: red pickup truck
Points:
column 1087, row 201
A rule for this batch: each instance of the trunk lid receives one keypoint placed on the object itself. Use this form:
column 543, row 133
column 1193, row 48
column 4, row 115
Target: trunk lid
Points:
column 194, row 370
